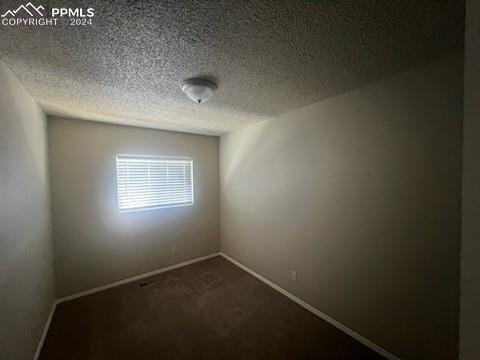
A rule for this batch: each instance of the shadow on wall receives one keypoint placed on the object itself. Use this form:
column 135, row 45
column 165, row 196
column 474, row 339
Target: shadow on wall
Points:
column 360, row 194
column 26, row 259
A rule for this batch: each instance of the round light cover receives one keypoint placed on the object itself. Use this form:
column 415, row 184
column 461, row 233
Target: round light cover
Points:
column 199, row 90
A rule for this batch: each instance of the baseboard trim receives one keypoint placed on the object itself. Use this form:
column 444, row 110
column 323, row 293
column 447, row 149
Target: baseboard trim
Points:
column 134, row 278
column 281, row 290
column 45, row 331
column 108, row 286
column 315, row 311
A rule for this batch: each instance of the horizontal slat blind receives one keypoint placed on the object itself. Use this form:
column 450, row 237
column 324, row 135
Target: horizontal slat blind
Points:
column 153, row 182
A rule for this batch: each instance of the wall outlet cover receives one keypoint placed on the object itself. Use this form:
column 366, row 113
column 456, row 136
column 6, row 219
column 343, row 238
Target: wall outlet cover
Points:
column 294, row 275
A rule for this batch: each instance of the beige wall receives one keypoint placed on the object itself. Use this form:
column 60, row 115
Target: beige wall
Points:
column 97, row 245
column 470, row 294
column 360, row 194
column 26, row 259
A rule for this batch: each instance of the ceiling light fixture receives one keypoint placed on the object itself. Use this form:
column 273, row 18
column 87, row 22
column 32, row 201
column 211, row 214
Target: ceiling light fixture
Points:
column 198, row 89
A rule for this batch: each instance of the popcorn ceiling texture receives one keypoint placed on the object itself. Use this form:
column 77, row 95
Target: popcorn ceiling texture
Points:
column 268, row 57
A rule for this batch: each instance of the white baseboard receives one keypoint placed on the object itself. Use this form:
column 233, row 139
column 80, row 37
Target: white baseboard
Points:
column 108, row 286
column 315, row 311
column 45, row 331
column 134, row 278
column 299, row 301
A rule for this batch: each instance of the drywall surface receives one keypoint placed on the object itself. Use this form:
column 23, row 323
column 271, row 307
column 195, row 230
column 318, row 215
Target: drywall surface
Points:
column 27, row 285
column 470, row 259
column 360, row 195
column 95, row 244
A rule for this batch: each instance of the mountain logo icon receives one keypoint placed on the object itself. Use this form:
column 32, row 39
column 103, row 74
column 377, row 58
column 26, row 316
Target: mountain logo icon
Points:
column 27, row 9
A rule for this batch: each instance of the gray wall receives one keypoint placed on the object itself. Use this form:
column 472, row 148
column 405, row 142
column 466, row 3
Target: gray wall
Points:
column 26, row 259
column 360, row 194
column 470, row 294
column 97, row 245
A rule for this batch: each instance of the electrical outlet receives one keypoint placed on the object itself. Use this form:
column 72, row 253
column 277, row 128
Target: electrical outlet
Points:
column 294, row 275
column 173, row 250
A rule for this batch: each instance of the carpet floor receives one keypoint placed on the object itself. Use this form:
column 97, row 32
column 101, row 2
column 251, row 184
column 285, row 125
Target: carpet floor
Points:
column 207, row 310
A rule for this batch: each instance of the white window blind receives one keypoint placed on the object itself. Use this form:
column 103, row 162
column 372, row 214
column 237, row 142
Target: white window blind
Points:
column 145, row 182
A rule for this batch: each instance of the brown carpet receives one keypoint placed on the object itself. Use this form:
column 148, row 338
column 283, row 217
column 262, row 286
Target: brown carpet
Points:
column 208, row 310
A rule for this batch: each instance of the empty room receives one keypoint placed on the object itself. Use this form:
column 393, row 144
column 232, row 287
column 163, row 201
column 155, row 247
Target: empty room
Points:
column 275, row 179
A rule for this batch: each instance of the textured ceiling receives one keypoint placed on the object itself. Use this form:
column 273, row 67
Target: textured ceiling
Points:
column 268, row 57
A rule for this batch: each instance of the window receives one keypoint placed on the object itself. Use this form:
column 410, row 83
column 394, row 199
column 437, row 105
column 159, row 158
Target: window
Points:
column 148, row 182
